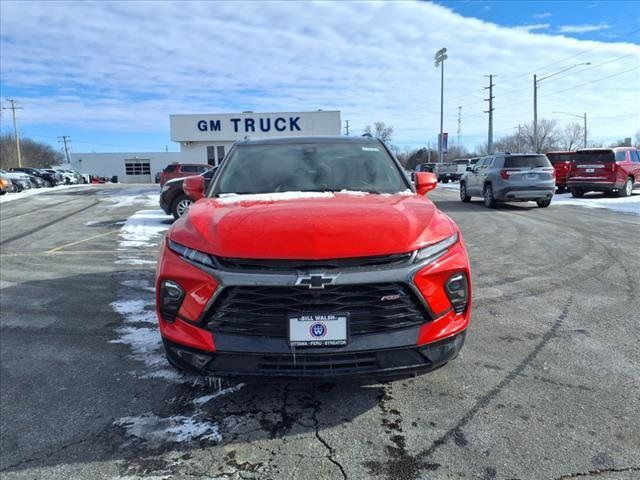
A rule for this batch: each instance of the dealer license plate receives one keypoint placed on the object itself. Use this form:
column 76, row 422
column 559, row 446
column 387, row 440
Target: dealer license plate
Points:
column 532, row 176
column 318, row 330
column 590, row 170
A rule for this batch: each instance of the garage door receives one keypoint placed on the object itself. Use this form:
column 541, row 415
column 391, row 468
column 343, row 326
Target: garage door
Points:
column 137, row 171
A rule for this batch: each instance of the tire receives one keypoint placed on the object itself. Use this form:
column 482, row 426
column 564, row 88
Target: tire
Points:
column 463, row 193
column 627, row 189
column 489, row 200
column 445, row 180
column 562, row 189
column 577, row 193
column 180, row 206
column 543, row 202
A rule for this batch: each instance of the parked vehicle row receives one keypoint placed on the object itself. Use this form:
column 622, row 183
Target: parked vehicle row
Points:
column 18, row 179
column 535, row 177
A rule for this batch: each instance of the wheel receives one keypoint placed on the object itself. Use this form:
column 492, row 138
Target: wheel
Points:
column 445, row 180
column 576, row 192
column 626, row 190
column 562, row 189
column 463, row 193
column 543, row 202
column 180, row 206
column 489, row 200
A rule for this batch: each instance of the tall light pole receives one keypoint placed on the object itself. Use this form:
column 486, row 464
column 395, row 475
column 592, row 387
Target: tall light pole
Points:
column 584, row 117
column 537, row 80
column 440, row 57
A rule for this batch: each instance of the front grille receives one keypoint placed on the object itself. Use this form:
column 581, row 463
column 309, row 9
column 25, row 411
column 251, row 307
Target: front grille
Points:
column 288, row 265
column 264, row 311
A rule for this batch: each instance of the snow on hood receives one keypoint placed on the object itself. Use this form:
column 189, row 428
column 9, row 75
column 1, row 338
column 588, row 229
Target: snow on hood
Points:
column 228, row 198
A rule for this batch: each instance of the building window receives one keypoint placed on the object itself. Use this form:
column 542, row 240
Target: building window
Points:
column 137, row 167
column 211, row 155
column 220, row 150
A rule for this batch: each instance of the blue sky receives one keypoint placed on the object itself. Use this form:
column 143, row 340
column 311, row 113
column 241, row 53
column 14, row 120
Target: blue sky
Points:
column 605, row 21
column 109, row 74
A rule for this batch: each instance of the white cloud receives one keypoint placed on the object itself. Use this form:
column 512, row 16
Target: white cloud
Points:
column 583, row 28
column 534, row 27
column 127, row 66
column 542, row 15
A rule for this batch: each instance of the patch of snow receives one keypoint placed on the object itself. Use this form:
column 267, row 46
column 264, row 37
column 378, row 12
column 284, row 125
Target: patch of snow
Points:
column 621, row 204
column 145, row 344
column 227, row 198
column 9, row 197
column 139, row 285
column 449, row 186
column 135, row 311
column 225, row 391
column 155, row 430
column 130, row 198
column 134, row 261
column 142, row 228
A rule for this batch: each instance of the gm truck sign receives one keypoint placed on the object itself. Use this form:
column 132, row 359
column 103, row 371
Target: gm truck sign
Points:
column 231, row 127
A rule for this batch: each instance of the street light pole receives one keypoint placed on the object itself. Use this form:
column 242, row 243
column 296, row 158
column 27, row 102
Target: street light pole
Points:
column 584, row 118
column 537, row 80
column 440, row 57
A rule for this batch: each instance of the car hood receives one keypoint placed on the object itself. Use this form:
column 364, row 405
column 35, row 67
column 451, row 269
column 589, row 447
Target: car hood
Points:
column 311, row 226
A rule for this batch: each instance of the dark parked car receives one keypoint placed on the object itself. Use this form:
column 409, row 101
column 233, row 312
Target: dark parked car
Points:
column 174, row 201
column 43, row 178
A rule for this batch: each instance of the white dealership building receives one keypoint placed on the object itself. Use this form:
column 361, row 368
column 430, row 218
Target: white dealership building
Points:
column 206, row 139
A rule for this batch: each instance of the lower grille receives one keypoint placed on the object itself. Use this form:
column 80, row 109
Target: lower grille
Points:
column 263, row 311
column 317, row 363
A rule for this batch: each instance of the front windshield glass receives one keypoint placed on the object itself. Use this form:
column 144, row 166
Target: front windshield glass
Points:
column 310, row 167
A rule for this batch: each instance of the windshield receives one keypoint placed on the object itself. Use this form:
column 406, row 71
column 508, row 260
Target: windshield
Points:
column 526, row 161
column 310, row 167
column 595, row 156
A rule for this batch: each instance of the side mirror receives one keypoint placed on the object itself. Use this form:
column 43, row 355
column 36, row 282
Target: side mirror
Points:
column 194, row 187
column 425, row 182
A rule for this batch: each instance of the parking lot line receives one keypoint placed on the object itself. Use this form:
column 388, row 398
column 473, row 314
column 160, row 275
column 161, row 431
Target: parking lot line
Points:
column 61, row 247
column 68, row 252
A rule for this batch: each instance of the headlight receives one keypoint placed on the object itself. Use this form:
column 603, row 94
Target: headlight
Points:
column 165, row 187
column 191, row 254
column 436, row 250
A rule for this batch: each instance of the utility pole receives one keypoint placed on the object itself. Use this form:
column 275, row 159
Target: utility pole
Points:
column 13, row 109
column 440, row 57
column 459, row 124
column 66, row 147
column 490, row 112
column 585, row 129
column 535, row 113
column 346, row 127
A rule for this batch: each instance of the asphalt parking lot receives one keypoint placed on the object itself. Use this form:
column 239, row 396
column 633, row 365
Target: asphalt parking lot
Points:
column 546, row 387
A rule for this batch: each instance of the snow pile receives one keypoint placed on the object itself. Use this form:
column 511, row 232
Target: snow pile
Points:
column 9, row 197
column 143, row 228
column 155, row 430
column 596, row 200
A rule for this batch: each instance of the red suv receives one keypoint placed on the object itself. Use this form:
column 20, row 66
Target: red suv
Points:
column 178, row 170
column 610, row 170
column 312, row 257
column 561, row 162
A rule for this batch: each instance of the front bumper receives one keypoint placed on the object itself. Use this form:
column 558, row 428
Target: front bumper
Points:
column 382, row 363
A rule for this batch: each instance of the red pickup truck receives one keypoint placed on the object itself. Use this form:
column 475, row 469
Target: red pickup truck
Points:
column 610, row 170
column 561, row 162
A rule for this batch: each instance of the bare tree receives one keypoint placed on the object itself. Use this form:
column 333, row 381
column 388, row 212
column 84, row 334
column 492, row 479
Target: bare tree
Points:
column 380, row 130
column 34, row 154
column 572, row 137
